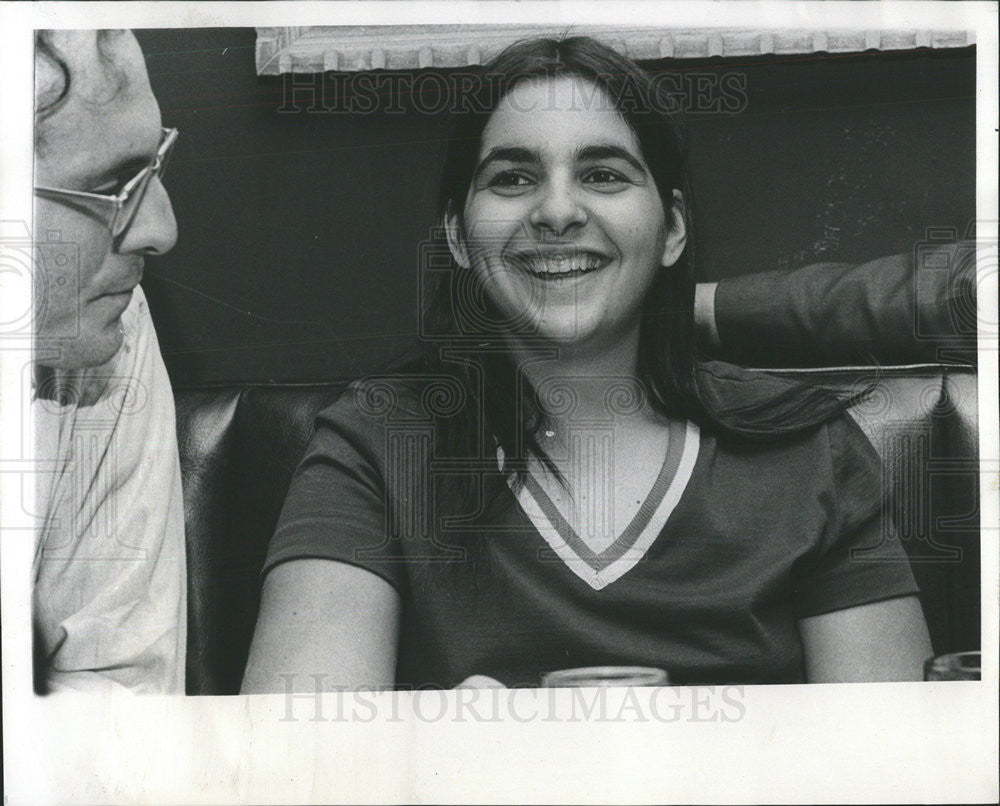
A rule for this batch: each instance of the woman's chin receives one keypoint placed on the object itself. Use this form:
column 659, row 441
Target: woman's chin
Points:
column 565, row 331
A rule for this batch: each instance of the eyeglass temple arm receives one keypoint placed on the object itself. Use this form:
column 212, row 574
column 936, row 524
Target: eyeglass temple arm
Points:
column 115, row 200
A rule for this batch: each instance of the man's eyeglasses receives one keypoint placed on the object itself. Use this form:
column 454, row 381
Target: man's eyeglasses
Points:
column 125, row 204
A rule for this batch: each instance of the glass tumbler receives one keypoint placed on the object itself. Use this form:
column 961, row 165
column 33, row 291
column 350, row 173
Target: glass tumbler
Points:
column 956, row 666
column 606, row 677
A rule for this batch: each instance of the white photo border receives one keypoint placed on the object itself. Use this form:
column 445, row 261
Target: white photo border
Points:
column 818, row 744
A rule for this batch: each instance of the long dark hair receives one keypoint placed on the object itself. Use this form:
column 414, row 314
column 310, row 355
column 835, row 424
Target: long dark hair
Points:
column 502, row 409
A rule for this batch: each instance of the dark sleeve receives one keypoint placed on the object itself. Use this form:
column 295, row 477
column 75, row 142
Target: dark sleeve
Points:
column 337, row 503
column 858, row 559
column 899, row 309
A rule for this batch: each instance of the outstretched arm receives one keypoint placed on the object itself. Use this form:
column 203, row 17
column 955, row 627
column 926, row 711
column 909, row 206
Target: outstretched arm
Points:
column 897, row 309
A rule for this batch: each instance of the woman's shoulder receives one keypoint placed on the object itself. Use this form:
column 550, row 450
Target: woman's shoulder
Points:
column 781, row 422
column 730, row 380
column 359, row 426
column 372, row 406
column 403, row 396
column 758, row 405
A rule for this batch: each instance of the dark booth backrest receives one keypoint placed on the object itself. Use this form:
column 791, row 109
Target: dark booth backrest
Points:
column 238, row 448
column 240, row 445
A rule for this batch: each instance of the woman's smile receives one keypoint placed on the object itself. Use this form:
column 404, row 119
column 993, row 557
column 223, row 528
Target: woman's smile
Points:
column 556, row 265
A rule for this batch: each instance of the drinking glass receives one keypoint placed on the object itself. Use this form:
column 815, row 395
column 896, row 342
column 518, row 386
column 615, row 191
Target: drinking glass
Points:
column 955, row 666
column 606, row 677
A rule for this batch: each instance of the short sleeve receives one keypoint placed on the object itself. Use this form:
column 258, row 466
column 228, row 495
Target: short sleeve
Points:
column 859, row 558
column 336, row 507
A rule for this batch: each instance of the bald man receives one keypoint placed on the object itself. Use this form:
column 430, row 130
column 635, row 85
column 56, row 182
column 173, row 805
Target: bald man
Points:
column 109, row 606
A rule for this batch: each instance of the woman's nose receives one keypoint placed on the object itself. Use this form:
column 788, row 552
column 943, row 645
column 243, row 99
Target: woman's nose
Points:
column 558, row 209
column 153, row 231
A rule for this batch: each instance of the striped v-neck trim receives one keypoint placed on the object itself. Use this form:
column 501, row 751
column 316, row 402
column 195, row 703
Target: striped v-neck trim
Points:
column 599, row 569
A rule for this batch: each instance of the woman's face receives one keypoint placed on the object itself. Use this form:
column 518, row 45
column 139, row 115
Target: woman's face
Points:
column 563, row 223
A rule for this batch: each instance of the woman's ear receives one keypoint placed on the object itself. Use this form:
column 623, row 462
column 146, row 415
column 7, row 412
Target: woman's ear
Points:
column 456, row 240
column 677, row 237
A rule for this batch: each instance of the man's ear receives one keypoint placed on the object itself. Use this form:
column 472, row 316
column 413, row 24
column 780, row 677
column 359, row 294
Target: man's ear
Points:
column 677, row 237
column 456, row 238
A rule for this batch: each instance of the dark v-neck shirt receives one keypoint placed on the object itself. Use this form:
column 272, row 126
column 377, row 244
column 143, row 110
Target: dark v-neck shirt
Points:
column 762, row 534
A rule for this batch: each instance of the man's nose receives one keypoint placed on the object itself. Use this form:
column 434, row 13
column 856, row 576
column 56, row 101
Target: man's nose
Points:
column 153, row 231
column 559, row 208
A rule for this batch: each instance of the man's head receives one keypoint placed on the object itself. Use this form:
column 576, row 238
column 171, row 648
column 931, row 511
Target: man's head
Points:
column 97, row 125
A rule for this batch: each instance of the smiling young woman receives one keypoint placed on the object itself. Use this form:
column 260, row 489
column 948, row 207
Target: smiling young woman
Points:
column 563, row 220
column 558, row 481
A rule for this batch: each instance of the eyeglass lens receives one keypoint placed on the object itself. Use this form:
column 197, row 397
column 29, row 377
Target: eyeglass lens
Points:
column 127, row 212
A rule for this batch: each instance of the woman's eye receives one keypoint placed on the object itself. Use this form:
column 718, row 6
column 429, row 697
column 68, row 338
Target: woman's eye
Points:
column 510, row 181
column 603, row 176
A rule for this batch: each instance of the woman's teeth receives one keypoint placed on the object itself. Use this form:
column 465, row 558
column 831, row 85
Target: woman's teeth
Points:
column 558, row 266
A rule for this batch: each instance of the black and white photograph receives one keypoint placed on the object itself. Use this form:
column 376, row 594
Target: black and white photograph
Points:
column 499, row 402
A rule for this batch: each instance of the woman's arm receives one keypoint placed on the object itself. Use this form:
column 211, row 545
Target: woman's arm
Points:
column 323, row 618
column 881, row 641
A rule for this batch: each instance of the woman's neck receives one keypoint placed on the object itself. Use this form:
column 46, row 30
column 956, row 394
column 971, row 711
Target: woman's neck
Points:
column 600, row 382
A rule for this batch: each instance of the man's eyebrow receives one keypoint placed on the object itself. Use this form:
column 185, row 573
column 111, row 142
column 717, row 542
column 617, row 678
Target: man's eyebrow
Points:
column 122, row 170
column 606, row 151
column 508, row 154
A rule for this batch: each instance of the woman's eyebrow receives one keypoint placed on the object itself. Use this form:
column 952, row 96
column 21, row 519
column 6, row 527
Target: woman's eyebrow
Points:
column 508, row 154
column 607, row 151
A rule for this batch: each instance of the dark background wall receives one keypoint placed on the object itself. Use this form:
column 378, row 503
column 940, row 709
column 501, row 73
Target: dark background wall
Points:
column 298, row 253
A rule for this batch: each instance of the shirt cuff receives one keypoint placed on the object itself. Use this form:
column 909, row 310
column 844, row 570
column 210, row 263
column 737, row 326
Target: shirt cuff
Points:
column 704, row 314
